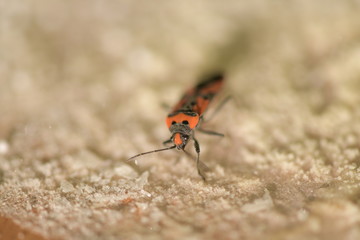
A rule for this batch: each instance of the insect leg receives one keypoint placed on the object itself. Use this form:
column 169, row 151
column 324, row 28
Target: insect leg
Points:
column 202, row 165
column 167, row 142
column 197, row 149
column 165, row 106
column 218, row 108
column 210, row 132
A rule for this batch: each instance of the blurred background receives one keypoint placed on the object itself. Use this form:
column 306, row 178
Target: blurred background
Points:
column 101, row 69
column 85, row 80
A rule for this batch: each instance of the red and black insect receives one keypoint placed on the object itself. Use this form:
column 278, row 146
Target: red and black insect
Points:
column 187, row 116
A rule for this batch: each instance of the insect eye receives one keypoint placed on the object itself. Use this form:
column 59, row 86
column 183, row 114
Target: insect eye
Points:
column 173, row 123
column 185, row 122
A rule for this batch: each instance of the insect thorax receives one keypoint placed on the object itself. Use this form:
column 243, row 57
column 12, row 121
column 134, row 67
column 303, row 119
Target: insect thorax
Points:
column 187, row 119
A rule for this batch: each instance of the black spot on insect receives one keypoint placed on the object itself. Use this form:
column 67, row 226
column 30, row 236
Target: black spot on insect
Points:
column 185, row 122
column 173, row 123
column 206, row 97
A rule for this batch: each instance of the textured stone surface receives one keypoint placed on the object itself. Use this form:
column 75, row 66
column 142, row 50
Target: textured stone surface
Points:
column 82, row 89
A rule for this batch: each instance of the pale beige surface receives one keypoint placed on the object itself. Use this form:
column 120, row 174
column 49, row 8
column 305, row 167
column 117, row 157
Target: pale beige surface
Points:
column 82, row 88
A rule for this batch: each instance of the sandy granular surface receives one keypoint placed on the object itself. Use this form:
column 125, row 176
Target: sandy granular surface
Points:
column 82, row 89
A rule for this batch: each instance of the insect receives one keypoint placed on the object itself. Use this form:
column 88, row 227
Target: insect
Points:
column 187, row 116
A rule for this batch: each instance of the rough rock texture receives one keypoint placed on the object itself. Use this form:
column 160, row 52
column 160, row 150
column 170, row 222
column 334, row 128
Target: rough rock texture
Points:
column 82, row 89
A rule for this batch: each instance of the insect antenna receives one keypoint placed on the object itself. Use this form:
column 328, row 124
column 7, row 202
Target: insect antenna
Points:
column 157, row 150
